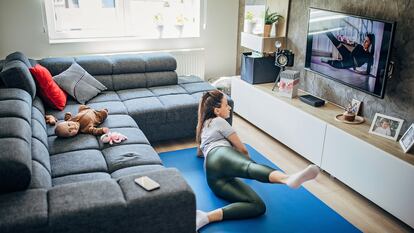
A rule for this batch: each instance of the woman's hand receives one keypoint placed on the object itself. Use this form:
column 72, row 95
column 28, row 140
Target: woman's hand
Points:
column 199, row 152
column 238, row 145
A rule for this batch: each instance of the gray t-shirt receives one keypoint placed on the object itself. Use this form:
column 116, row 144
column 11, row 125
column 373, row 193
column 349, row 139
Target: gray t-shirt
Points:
column 215, row 133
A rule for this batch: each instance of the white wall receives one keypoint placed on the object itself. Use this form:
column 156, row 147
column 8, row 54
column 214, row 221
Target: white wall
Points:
column 21, row 29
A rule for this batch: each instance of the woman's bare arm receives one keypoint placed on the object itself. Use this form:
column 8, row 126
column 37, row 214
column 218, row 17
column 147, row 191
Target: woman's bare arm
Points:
column 237, row 144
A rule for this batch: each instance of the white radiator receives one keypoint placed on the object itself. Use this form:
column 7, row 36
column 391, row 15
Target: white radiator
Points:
column 190, row 61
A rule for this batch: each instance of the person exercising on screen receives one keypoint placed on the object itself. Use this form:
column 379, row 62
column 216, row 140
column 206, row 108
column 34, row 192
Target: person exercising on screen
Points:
column 360, row 55
column 226, row 159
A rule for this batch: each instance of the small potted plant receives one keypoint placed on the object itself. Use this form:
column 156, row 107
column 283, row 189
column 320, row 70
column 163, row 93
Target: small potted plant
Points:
column 250, row 22
column 270, row 19
column 159, row 23
column 180, row 20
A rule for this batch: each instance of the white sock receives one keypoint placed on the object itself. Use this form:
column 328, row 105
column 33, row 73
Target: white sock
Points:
column 201, row 219
column 297, row 179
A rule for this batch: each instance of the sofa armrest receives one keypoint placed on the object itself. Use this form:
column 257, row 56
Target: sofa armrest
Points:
column 122, row 206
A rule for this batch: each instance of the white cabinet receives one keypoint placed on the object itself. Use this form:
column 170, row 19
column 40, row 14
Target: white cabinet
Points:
column 386, row 178
column 382, row 178
column 293, row 127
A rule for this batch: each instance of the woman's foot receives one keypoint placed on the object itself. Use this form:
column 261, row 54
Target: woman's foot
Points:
column 297, row 179
column 201, row 219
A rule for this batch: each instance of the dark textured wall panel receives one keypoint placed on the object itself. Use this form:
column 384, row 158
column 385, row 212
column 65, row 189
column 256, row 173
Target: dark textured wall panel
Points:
column 399, row 96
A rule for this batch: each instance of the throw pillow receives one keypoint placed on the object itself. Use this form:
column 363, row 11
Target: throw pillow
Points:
column 48, row 90
column 78, row 83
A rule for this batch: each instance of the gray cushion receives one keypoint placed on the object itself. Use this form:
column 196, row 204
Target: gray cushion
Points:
column 197, row 87
column 179, row 107
column 83, row 177
column 25, row 211
column 161, row 78
column 129, row 81
column 134, row 135
column 95, row 65
column 146, row 110
column 104, row 97
column 79, row 142
column 136, row 170
column 93, row 206
column 127, row 63
column 119, row 121
column 15, row 141
column 134, row 93
column 40, row 177
column 189, row 79
column 57, row 65
column 159, row 62
column 75, row 162
column 122, row 156
column 79, row 84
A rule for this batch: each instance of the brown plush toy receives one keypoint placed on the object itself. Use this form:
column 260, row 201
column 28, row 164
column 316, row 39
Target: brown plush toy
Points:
column 85, row 122
column 51, row 120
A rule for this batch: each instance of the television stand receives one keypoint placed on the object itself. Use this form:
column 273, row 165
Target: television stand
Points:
column 373, row 166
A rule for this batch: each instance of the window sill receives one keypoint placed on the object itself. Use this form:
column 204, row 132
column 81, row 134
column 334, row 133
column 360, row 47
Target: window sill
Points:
column 104, row 39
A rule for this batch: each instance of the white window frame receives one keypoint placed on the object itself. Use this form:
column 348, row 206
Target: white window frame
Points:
column 120, row 33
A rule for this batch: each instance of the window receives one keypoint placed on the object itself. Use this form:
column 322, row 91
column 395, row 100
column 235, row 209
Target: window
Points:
column 88, row 19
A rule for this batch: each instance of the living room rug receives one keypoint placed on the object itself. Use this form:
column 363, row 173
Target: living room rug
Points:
column 288, row 210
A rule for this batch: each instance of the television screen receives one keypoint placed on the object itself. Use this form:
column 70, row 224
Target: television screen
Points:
column 350, row 49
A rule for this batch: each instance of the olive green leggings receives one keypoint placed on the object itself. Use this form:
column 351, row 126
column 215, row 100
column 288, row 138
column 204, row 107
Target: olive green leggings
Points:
column 223, row 165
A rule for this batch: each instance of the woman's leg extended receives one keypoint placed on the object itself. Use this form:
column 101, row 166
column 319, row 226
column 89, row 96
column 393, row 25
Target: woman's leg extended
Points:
column 245, row 202
column 225, row 162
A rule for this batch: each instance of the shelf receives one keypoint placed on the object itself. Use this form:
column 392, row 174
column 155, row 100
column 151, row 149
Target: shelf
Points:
column 259, row 43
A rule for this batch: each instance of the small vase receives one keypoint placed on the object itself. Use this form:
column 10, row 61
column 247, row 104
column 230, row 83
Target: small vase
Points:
column 179, row 28
column 276, row 29
column 267, row 29
column 250, row 25
column 160, row 29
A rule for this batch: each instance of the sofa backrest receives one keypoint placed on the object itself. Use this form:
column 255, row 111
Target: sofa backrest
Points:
column 119, row 72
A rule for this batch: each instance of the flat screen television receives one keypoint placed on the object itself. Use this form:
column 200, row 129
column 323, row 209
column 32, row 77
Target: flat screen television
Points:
column 349, row 49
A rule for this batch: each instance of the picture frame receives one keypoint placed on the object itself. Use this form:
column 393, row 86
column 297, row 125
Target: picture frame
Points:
column 356, row 106
column 386, row 126
column 407, row 140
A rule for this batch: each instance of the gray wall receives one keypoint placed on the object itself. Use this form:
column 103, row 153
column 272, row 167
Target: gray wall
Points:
column 399, row 96
column 21, row 29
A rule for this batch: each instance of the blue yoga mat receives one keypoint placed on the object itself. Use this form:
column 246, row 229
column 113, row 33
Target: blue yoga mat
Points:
column 288, row 210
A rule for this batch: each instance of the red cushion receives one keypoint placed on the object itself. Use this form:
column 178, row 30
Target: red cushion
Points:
column 47, row 88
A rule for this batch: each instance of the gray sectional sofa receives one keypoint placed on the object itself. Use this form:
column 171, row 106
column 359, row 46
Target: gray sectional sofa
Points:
column 50, row 184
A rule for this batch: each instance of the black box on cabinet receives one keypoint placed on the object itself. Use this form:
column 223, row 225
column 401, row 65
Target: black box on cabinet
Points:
column 258, row 69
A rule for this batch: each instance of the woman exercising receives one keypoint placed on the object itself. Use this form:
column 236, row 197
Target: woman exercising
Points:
column 360, row 55
column 226, row 158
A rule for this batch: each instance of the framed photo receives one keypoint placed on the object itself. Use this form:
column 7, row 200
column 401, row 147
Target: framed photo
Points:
column 407, row 140
column 356, row 105
column 386, row 126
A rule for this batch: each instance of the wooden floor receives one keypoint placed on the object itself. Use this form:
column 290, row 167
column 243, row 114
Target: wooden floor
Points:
column 362, row 213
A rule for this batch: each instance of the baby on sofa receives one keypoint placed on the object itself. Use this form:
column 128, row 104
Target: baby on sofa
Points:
column 86, row 121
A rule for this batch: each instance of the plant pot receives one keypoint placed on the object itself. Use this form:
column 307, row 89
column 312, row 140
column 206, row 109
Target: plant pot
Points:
column 276, row 23
column 250, row 25
column 267, row 29
column 160, row 29
column 179, row 28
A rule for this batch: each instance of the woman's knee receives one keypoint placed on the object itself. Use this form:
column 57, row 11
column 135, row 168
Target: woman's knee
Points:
column 259, row 207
